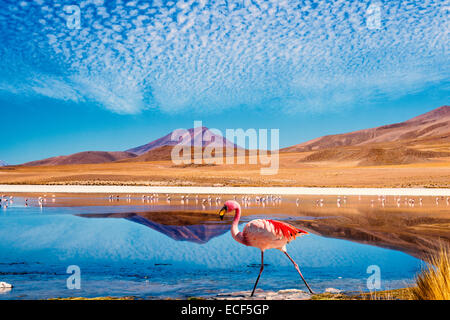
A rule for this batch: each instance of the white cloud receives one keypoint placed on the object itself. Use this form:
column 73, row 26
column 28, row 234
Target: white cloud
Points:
column 206, row 55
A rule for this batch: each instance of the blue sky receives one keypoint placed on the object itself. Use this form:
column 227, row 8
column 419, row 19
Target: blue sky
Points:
column 136, row 70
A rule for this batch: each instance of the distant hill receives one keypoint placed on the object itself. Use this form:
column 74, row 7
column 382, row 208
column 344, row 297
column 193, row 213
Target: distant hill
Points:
column 87, row 157
column 419, row 139
column 375, row 155
column 156, row 150
column 435, row 123
column 3, row 163
column 165, row 153
column 155, row 154
column 211, row 140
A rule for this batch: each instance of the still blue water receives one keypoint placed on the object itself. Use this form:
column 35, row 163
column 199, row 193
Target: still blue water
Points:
column 136, row 256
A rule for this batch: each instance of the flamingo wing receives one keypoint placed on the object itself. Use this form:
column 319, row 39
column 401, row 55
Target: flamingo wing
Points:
column 264, row 233
column 289, row 232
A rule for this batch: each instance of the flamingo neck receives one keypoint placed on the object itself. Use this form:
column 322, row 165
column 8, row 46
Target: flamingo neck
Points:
column 235, row 233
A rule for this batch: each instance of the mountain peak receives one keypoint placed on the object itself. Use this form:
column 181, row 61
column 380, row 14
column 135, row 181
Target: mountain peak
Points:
column 167, row 141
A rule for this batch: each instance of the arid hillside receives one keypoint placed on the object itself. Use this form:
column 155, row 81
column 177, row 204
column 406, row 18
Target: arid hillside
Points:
column 87, row 157
column 422, row 139
column 431, row 125
column 414, row 153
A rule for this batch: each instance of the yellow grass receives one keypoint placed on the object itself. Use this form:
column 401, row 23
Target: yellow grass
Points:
column 396, row 294
column 433, row 283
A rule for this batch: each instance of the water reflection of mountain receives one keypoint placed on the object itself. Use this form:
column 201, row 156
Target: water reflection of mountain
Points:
column 414, row 231
column 186, row 226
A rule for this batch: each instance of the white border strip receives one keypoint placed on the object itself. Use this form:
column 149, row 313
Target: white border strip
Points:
column 225, row 190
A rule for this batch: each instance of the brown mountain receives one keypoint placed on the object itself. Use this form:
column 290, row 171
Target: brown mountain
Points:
column 419, row 139
column 156, row 154
column 196, row 135
column 156, row 150
column 87, row 157
column 435, row 123
column 165, row 153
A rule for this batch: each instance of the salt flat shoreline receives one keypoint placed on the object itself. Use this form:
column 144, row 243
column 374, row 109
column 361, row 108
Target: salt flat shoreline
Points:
column 224, row 190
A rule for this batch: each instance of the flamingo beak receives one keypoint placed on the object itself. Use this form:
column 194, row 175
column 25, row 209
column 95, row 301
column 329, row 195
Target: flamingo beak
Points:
column 222, row 212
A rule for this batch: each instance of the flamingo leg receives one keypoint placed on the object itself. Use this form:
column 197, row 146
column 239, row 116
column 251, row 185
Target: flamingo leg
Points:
column 298, row 270
column 260, row 271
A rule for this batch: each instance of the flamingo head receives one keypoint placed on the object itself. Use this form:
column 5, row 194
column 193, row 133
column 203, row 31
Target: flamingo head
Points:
column 229, row 206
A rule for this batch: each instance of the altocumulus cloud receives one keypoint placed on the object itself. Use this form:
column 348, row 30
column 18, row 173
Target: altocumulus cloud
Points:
column 205, row 55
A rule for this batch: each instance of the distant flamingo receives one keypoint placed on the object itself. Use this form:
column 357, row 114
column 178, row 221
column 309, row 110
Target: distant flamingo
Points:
column 263, row 234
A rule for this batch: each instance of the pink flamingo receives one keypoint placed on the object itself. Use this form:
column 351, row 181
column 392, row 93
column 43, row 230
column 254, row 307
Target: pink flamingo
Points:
column 263, row 234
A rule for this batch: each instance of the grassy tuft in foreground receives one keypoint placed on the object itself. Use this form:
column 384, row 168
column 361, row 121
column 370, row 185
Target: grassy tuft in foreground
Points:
column 433, row 283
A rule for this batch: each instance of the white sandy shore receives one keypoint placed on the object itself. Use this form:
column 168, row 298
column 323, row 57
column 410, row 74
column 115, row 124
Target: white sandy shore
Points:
column 288, row 294
column 224, row 190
